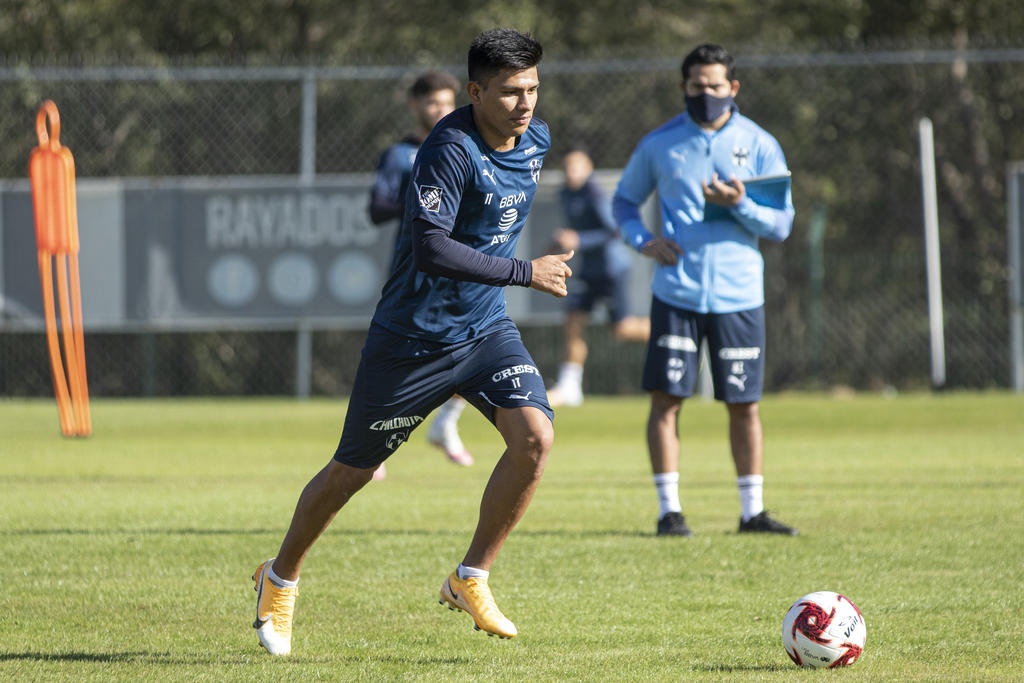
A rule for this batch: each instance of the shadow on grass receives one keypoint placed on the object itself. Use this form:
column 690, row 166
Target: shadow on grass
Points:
column 188, row 531
column 169, row 658
column 74, row 656
column 145, row 658
column 426, row 661
column 737, row 668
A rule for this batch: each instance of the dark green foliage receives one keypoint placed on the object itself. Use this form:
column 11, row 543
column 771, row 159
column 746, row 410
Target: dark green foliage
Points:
column 842, row 85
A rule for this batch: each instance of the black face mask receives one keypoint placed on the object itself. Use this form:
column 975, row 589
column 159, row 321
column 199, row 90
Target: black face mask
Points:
column 706, row 108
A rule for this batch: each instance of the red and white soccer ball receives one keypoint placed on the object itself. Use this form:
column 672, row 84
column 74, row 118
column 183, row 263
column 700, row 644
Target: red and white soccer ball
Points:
column 824, row 630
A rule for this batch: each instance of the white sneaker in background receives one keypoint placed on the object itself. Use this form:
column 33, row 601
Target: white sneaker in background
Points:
column 445, row 435
column 565, row 395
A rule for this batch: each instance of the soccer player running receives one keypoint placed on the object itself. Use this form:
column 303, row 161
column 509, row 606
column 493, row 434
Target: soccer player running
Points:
column 441, row 328
column 709, row 280
column 604, row 275
column 431, row 98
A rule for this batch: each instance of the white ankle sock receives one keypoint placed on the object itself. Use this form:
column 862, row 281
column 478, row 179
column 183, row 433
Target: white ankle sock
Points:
column 464, row 572
column 751, row 498
column 570, row 374
column 451, row 409
column 277, row 580
column 667, row 484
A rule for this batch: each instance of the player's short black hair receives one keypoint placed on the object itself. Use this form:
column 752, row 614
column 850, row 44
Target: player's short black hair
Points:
column 502, row 48
column 576, row 146
column 432, row 81
column 709, row 53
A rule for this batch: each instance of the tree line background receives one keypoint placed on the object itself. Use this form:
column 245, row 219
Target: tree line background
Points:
column 366, row 31
column 840, row 83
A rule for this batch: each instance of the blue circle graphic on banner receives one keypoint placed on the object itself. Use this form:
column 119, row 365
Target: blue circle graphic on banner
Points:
column 293, row 279
column 232, row 280
column 354, row 278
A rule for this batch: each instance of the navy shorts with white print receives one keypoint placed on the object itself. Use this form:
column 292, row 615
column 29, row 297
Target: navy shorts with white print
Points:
column 401, row 379
column 735, row 347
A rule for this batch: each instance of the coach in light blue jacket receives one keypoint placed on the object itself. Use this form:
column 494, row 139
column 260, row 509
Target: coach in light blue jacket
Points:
column 709, row 283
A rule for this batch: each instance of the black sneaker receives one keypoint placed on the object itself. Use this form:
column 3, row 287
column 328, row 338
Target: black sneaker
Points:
column 673, row 524
column 762, row 523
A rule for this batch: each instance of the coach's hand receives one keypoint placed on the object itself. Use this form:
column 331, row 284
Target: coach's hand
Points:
column 549, row 273
column 663, row 250
column 724, row 194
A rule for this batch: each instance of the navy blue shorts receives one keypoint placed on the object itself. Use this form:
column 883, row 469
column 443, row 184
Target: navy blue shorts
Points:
column 587, row 290
column 401, row 379
column 735, row 347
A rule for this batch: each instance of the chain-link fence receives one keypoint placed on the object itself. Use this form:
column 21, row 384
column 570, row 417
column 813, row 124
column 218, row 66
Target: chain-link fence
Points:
column 846, row 295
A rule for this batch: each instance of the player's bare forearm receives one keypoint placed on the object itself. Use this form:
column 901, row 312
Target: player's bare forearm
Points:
column 550, row 272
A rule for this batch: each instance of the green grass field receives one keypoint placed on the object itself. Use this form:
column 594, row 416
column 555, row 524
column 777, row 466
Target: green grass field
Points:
column 127, row 556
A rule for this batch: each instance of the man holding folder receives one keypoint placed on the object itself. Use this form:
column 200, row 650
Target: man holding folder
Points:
column 709, row 283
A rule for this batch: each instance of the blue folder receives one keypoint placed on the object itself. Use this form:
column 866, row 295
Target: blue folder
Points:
column 769, row 190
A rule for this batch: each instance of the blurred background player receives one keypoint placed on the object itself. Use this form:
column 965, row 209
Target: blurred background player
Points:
column 431, row 98
column 603, row 275
column 709, row 282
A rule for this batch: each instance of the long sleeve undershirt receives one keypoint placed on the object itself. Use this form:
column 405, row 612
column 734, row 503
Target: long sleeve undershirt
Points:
column 436, row 253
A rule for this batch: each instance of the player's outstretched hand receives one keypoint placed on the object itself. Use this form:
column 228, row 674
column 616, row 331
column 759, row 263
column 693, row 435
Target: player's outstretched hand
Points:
column 549, row 273
column 663, row 250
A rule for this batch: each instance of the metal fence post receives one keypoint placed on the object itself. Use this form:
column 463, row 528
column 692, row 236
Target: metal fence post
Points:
column 307, row 162
column 149, row 369
column 932, row 260
column 1015, row 251
column 816, row 284
column 303, row 360
column 307, row 173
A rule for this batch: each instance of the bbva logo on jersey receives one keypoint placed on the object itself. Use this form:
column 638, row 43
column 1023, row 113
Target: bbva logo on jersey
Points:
column 430, row 197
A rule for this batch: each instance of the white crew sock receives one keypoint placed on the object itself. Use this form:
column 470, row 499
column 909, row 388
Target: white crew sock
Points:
column 570, row 375
column 464, row 572
column 449, row 412
column 667, row 484
column 751, row 499
column 277, row 580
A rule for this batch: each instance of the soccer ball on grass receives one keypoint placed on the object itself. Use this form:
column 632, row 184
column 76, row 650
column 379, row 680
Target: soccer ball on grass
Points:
column 823, row 630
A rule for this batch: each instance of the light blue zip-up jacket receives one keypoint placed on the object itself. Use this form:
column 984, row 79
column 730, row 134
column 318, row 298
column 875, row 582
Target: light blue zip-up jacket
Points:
column 721, row 269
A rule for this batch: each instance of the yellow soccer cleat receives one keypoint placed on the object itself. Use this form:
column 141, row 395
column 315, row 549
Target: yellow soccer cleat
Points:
column 274, row 607
column 474, row 596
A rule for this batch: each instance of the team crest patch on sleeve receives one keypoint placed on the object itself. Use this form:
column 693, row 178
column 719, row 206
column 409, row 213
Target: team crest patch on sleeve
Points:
column 430, row 197
column 535, row 165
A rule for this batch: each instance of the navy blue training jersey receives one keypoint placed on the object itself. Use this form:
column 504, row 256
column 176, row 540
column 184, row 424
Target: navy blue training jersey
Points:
column 588, row 211
column 481, row 197
column 387, row 196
